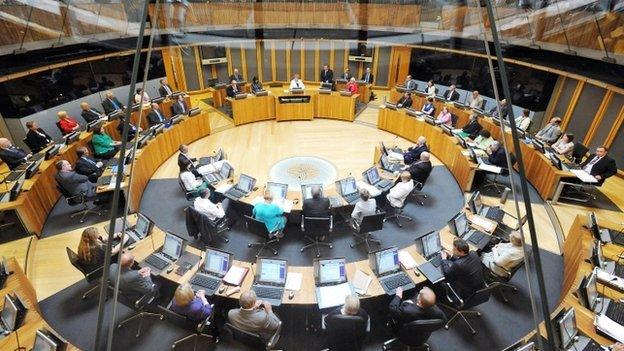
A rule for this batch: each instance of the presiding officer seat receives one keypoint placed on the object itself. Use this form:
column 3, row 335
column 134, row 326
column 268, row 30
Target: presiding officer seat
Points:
column 253, row 340
column 198, row 329
column 258, row 228
column 345, row 333
column 317, row 227
column 415, row 333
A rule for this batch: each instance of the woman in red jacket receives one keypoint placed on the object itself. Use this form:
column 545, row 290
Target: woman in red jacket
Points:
column 352, row 86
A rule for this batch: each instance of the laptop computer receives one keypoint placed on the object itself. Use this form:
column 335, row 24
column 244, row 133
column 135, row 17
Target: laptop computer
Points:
column 348, row 190
column 568, row 337
column 242, row 188
column 611, row 267
column 226, row 172
column 373, row 178
column 385, row 163
column 591, row 299
column 386, row 266
column 216, row 265
column 430, row 246
column 270, row 280
column 168, row 254
column 278, row 190
column 330, row 279
column 138, row 232
column 211, row 159
column 306, row 190
column 477, row 207
column 460, row 227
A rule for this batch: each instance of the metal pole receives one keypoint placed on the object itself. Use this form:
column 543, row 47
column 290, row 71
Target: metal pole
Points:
column 111, row 231
column 523, row 182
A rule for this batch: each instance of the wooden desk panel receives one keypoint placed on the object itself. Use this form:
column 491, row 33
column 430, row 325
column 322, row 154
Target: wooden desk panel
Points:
column 253, row 109
column 295, row 111
column 335, row 106
column 218, row 96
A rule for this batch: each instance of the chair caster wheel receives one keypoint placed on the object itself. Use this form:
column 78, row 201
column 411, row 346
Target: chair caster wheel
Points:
column 84, row 297
column 248, row 245
column 351, row 245
column 318, row 255
column 137, row 335
column 446, row 327
column 118, row 326
column 162, row 318
column 300, row 250
column 479, row 314
column 274, row 254
column 422, row 203
column 515, row 290
column 331, row 246
column 473, row 332
column 227, row 240
column 172, row 347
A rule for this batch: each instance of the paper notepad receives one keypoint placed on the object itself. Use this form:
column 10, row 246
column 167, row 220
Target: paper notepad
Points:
column 333, row 295
column 489, row 168
column 235, row 275
column 407, row 261
column 360, row 184
column 293, row 281
column 483, row 223
column 361, row 282
column 584, row 176
column 223, row 188
column 607, row 326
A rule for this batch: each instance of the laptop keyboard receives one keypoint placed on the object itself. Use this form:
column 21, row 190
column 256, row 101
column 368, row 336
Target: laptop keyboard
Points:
column 233, row 192
column 268, row 293
column 436, row 260
column 351, row 197
column 617, row 237
column 615, row 311
column 475, row 237
column 592, row 346
column 619, row 270
column 205, row 281
column 13, row 176
column 156, row 261
column 384, row 183
column 395, row 281
column 495, row 214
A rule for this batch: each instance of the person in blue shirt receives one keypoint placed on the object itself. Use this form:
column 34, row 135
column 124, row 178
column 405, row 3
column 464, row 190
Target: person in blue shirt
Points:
column 428, row 107
column 190, row 304
column 270, row 214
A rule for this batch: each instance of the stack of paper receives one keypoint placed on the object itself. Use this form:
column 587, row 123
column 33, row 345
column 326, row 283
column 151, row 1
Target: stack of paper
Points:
column 293, row 281
column 489, row 168
column 235, row 275
column 610, row 279
column 222, row 188
column 407, row 261
column 584, row 176
column 486, row 224
column 371, row 189
column 361, row 282
column 333, row 295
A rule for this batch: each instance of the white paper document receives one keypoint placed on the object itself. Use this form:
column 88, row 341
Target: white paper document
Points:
column 407, row 261
column 609, row 327
column 333, row 295
column 293, row 281
column 395, row 156
column 371, row 189
column 361, row 282
column 610, row 279
column 222, row 188
column 489, row 168
column 584, row 176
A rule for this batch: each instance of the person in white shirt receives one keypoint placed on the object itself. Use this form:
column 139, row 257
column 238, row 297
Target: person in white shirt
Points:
column 366, row 206
column 203, row 204
column 523, row 122
column 141, row 97
column 296, row 83
column 476, row 100
column 397, row 195
column 431, row 89
column 504, row 256
column 190, row 182
column 565, row 145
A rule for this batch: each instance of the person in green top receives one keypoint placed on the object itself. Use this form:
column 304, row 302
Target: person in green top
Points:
column 484, row 140
column 104, row 147
column 472, row 128
column 270, row 214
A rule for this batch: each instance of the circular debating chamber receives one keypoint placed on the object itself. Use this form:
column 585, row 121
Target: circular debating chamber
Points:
column 312, row 175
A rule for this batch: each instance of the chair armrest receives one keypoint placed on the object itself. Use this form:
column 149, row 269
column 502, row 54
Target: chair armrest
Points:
column 206, row 322
column 80, row 196
column 302, row 223
column 331, row 223
column 145, row 299
column 275, row 338
column 452, row 296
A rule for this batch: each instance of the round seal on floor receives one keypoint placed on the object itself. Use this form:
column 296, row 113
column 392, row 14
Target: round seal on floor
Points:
column 298, row 170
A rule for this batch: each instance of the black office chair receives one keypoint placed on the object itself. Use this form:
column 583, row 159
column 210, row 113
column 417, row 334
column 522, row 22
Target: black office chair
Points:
column 578, row 152
column 78, row 200
column 139, row 306
column 502, row 282
column 345, row 333
column 93, row 277
column 398, row 213
column 454, row 119
column 460, row 307
column 58, row 125
column 363, row 230
column 419, row 184
column 32, row 147
column 259, row 228
column 189, row 195
column 317, row 227
column 505, row 172
column 254, row 340
column 415, row 334
column 198, row 329
column 199, row 225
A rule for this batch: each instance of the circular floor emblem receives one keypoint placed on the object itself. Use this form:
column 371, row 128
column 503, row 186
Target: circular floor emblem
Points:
column 295, row 171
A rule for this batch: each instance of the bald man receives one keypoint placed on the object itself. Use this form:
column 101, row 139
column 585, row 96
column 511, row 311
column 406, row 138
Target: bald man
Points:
column 421, row 307
column 413, row 153
column 401, row 190
column 12, row 155
column 156, row 116
column 496, row 154
column 551, row 132
column 421, row 169
column 134, row 283
column 254, row 316
column 111, row 103
column 89, row 113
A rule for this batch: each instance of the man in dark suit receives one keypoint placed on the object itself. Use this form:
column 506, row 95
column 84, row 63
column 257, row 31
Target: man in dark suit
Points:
column 600, row 165
column 451, row 94
column 236, row 76
column 232, row 89
column 347, row 74
column 347, row 335
column 421, row 169
column 12, row 155
column 120, row 126
column 179, row 107
column 405, row 100
column 164, row 89
column 368, row 77
column 327, row 75
column 184, row 159
column 134, row 283
column 111, row 103
column 413, row 153
column 36, row 138
column 496, row 155
column 88, row 166
column 317, row 206
column 462, row 269
column 88, row 113
column 420, row 307
column 472, row 128
column 73, row 182
column 156, row 116
column 410, row 83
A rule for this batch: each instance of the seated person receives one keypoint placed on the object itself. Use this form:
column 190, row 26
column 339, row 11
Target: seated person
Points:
column 428, row 107
column 74, row 183
column 155, row 116
column 317, row 206
column 451, row 94
column 190, row 304
column 431, row 89
column 496, row 155
column 405, row 100
column 401, row 190
column 503, row 108
column 236, row 76
column 256, row 86
column 475, row 100
column 133, row 283
column 347, row 74
column 472, row 128
column 462, row 269
column 413, row 153
column 420, row 170
column 12, row 155
column 352, row 86
column 296, row 83
column 251, row 318
column 111, row 103
column 189, row 180
column 179, row 106
column 183, row 156
column 88, row 113
column 67, row 124
column 103, row 145
column 351, row 308
column 92, row 248
column 565, row 145
column 523, row 122
column 504, row 256
column 410, row 83
column 204, row 204
column 36, row 138
column 131, row 132
column 270, row 214
column 365, row 206
column 445, row 117
column 88, row 166
column 600, row 165
column 551, row 132
column 420, row 307
column 141, row 97
column 165, row 89
column 232, row 90
column 484, row 140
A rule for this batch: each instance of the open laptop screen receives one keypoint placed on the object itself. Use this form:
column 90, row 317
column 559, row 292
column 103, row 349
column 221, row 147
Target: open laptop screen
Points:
column 278, row 190
column 245, row 183
column 173, row 246
column 217, row 262
column 142, row 226
column 478, row 204
column 9, row 313
column 332, row 271
column 347, row 186
column 592, row 290
column 225, row 171
column 373, row 175
column 272, row 271
column 306, row 190
column 567, row 329
column 44, row 342
column 459, row 224
column 387, row 260
column 431, row 244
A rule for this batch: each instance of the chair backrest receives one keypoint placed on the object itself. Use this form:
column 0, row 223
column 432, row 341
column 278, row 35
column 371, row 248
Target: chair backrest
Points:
column 417, row 332
column 190, row 195
column 75, row 261
column 454, row 119
column 72, row 200
column 481, row 296
column 256, row 227
column 182, row 321
column 578, row 152
column 317, row 225
column 29, row 144
column 249, row 339
column 58, row 125
column 345, row 333
column 372, row 223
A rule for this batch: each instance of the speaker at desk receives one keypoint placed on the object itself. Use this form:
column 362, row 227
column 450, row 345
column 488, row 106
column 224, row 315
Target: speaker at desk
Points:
column 46, row 341
column 52, row 151
column 92, row 124
column 325, row 85
column 261, row 93
column 71, row 137
column 114, row 115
